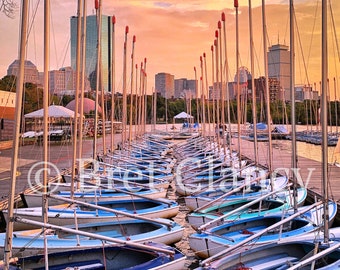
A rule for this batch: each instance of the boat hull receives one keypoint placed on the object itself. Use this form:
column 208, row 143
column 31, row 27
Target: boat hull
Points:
column 66, row 214
column 34, row 200
column 123, row 257
column 57, row 240
column 217, row 239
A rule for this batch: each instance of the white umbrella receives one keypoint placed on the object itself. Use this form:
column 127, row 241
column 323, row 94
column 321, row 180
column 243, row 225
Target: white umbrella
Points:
column 183, row 115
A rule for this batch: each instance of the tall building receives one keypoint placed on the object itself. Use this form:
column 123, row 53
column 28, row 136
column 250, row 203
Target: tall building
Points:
column 31, row 73
column 244, row 84
column 191, row 85
column 186, row 85
column 165, row 84
column 91, row 49
column 275, row 91
column 180, row 86
column 305, row 92
column 279, row 66
column 63, row 82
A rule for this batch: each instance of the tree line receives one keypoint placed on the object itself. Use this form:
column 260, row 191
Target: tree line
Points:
column 307, row 112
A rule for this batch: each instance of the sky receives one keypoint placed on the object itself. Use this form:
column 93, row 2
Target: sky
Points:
column 173, row 34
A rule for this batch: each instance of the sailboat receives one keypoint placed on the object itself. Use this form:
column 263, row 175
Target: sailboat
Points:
column 282, row 256
column 306, row 253
column 125, row 255
column 66, row 214
column 122, row 257
column 270, row 203
column 251, row 190
column 269, row 228
column 31, row 242
column 99, row 195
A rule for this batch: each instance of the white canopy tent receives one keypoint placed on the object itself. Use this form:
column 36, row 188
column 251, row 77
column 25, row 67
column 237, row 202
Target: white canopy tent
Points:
column 54, row 111
column 183, row 115
column 59, row 118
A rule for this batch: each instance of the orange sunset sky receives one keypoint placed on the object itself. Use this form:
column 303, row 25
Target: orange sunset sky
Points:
column 173, row 34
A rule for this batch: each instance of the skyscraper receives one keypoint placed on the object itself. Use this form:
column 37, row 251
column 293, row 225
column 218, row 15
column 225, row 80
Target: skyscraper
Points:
column 184, row 85
column 279, row 67
column 91, row 49
column 164, row 84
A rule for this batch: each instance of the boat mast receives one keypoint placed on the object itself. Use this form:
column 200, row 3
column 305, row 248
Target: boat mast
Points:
column 292, row 96
column 252, row 69
column 76, row 110
column 131, row 91
column 140, row 99
column 219, row 25
column 124, row 88
column 18, row 112
column 265, row 57
column 238, row 95
column 213, row 88
column 136, row 102
column 98, row 6
column 202, row 97
column 82, row 91
column 196, row 89
column 324, row 127
column 226, row 80
column 219, row 90
column 144, row 104
column 102, row 97
column 113, row 83
column 46, row 121
column 207, row 92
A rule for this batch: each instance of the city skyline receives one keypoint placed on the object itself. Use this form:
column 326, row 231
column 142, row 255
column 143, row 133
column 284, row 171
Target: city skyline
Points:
column 172, row 35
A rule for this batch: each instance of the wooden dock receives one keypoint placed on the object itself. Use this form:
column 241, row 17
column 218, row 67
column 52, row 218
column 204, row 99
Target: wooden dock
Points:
column 308, row 173
column 30, row 157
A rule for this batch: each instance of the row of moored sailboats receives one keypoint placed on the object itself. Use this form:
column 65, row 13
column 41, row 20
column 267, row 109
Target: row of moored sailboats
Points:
column 114, row 219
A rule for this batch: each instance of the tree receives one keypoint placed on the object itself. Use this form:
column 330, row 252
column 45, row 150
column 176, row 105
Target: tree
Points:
column 9, row 7
column 66, row 99
column 8, row 83
column 33, row 98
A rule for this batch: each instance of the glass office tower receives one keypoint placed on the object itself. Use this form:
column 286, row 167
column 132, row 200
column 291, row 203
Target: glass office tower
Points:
column 91, row 49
